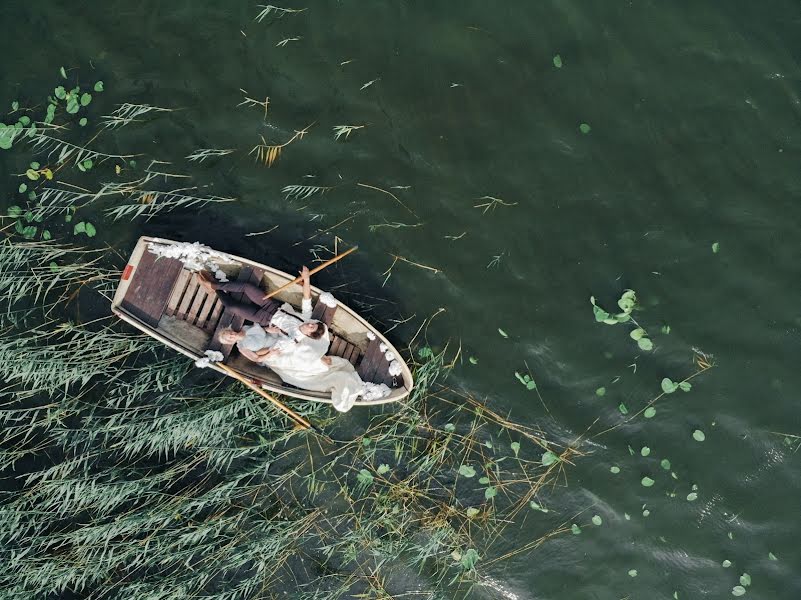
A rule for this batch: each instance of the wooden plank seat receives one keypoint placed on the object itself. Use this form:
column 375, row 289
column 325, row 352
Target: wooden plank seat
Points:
column 191, row 303
column 151, row 288
column 375, row 367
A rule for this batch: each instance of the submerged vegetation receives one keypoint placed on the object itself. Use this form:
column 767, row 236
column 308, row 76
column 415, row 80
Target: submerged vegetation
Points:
column 136, row 476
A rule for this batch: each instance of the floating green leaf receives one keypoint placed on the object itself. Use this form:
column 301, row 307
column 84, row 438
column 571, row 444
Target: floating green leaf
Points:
column 83, row 122
column 726, row 564
column 647, row 481
column 484, row 480
column 557, row 61
column 25, row 120
column 90, row 230
column 7, row 135
column 73, row 105
column 536, row 506
column 645, row 451
column 29, row 232
column 632, row 572
column 650, row 412
column 14, row 211
column 15, row 105
column 32, row 175
column 548, row 458
column 666, row 329
column 665, row 464
column 622, row 408
column 575, row 529
column 503, row 333
column 63, row 72
column 99, row 86
column 490, row 493
column 772, row 556
column 79, row 228
column 46, row 235
column 515, row 446
column 645, row 344
column 364, row 477
column 472, row 512
column 601, row 391
column 715, row 248
column 692, row 497
column 467, row 471
column 473, row 360
column 685, row 386
column 23, row 187
column 637, row 334
column 669, row 386
column 60, row 92
column 614, row 469
column 450, row 427
column 469, row 560
column 596, row 520
column 86, row 99
column 745, row 579
column 737, row 590
column 383, row 469
column 698, row 435
column 585, row 128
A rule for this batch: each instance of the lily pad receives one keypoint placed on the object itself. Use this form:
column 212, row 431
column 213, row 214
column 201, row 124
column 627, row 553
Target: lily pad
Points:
column 575, row 529
column 557, row 61
column 632, row 572
column 622, row 408
column 698, row 435
column 515, row 446
column 726, row 564
column 614, row 469
column 665, row 464
column 637, row 334
column 548, row 458
column 738, row 590
column 601, row 391
column 649, row 413
column 469, row 559
column 685, row 386
column 99, row 86
column 692, row 497
column 745, row 579
column 585, row 128
column 490, row 493
column 645, row 344
column 647, row 481
column 645, row 451
column 597, row 520
column 669, row 386
column 467, row 471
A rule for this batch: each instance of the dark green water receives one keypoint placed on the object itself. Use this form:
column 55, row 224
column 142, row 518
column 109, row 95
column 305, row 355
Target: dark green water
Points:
column 694, row 115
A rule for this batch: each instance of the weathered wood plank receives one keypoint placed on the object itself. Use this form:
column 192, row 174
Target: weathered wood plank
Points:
column 183, row 308
column 178, row 291
column 369, row 363
column 336, row 344
column 323, row 313
column 200, row 298
column 151, row 288
column 214, row 317
column 204, row 313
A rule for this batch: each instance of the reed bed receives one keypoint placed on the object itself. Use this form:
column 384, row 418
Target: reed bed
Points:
column 127, row 473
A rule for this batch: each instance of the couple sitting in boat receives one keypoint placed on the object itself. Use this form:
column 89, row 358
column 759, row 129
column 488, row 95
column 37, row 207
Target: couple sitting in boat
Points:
column 291, row 344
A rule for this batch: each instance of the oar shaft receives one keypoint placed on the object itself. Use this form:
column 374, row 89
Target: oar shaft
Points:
column 278, row 404
column 316, row 269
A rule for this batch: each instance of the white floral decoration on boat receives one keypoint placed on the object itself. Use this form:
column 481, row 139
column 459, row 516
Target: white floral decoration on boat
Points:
column 389, row 356
column 395, row 368
column 328, row 299
column 375, row 391
column 370, row 335
column 195, row 256
column 212, row 356
column 383, row 348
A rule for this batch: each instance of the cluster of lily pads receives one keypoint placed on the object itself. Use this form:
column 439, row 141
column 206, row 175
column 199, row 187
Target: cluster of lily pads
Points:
column 627, row 304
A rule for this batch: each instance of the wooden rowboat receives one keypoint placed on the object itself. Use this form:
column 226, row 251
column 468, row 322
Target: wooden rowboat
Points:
column 162, row 298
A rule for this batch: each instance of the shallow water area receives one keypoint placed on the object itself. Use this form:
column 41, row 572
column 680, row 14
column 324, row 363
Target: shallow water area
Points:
column 470, row 163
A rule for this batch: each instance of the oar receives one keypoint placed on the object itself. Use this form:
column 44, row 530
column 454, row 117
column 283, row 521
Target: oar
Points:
column 277, row 403
column 312, row 272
